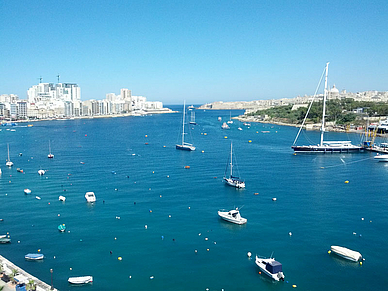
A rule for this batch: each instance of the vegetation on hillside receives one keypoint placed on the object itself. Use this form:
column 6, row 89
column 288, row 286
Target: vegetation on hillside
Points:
column 338, row 111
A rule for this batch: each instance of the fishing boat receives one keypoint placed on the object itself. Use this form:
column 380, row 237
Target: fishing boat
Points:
column 232, row 216
column 270, row 267
column 381, row 158
column 231, row 180
column 184, row 145
column 80, row 280
column 225, row 126
column 346, row 253
column 90, row 197
column 27, row 191
column 62, row 227
column 192, row 118
column 50, row 155
column 324, row 146
column 34, row 257
column 8, row 163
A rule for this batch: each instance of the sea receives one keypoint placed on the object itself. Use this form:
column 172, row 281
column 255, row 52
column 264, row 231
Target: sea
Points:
column 155, row 225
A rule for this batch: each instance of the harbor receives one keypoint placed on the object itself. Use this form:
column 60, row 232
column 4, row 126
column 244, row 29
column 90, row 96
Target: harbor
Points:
column 155, row 222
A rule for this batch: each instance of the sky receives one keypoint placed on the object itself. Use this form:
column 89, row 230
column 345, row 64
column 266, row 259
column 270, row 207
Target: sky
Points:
column 198, row 51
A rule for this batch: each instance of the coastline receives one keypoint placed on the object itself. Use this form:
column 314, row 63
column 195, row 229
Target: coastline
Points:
column 316, row 127
column 142, row 113
column 8, row 266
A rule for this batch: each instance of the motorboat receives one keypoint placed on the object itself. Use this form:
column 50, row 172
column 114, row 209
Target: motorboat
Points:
column 80, row 280
column 232, row 216
column 184, row 145
column 62, row 198
column 230, row 179
column 62, row 227
column 270, row 267
column 381, row 158
column 346, row 253
column 219, row 118
column 324, row 146
column 34, row 257
column 41, row 172
column 5, row 239
column 225, row 126
column 19, row 170
column 90, row 197
column 8, row 163
column 27, row 191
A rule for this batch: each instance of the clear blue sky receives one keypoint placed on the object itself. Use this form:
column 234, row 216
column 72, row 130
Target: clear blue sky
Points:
column 201, row 51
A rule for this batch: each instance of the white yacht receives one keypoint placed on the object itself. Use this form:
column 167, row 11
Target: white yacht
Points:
column 184, row 145
column 232, row 180
column 90, row 197
column 346, row 253
column 381, row 158
column 232, row 216
column 271, row 268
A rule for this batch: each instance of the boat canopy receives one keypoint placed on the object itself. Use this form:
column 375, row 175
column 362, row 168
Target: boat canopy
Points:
column 274, row 267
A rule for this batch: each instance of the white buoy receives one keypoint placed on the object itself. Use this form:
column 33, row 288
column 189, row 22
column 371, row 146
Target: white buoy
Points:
column 249, row 254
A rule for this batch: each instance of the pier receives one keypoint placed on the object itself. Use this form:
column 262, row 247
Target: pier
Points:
column 24, row 277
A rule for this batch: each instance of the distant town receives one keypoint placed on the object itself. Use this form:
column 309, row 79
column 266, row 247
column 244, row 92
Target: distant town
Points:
column 63, row 101
column 299, row 101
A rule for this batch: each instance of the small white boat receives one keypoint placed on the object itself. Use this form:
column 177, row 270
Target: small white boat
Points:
column 219, row 118
column 239, row 128
column 50, row 155
column 37, row 197
column 225, row 126
column 80, row 280
column 27, row 191
column 62, row 198
column 34, row 257
column 346, row 253
column 41, row 172
column 232, row 216
column 8, row 163
column 381, row 158
column 271, row 268
column 90, row 197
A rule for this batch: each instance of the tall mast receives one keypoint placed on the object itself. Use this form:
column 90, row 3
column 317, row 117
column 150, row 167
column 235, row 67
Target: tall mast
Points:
column 231, row 159
column 8, row 151
column 183, row 121
column 324, row 104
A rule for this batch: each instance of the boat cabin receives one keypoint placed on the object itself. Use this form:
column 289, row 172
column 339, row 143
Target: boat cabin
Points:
column 273, row 267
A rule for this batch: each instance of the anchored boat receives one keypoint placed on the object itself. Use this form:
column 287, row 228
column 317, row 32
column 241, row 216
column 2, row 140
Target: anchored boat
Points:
column 346, row 253
column 231, row 180
column 324, row 146
column 34, row 257
column 270, row 267
column 232, row 216
column 80, row 280
column 184, row 145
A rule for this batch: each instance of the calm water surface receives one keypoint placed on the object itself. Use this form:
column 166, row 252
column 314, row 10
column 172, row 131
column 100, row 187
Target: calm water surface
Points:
column 147, row 184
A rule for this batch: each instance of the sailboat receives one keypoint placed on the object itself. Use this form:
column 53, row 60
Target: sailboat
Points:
column 8, row 163
column 230, row 121
column 231, row 180
column 50, row 155
column 324, row 146
column 192, row 120
column 184, row 146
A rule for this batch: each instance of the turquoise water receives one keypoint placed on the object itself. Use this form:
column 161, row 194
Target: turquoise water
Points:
column 150, row 186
